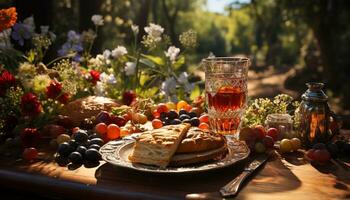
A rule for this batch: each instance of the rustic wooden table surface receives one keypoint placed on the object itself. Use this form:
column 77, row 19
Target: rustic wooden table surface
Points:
column 287, row 177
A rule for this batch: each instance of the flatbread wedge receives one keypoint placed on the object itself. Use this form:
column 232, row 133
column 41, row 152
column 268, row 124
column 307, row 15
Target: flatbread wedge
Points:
column 157, row 147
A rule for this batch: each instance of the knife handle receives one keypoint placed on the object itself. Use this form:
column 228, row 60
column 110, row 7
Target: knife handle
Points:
column 231, row 189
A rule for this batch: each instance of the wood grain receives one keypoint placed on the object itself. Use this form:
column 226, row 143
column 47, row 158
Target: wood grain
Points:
column 288, row 177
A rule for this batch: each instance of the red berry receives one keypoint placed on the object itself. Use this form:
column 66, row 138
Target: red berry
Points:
column 322, row 155
column 259, row 131
column 120, row 121
column 30, row 153
column 204, row 118
column 268, row 142
column 273, row 132
column 203, row 126
column 162, row 108
column 101, row 128
column 156, row 114
column 113, row 131
column 311, row 154
column 127, row 116
column 156, row 123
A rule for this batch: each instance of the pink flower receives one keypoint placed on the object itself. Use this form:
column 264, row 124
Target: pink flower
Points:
column 95, row 75
column 54, row 89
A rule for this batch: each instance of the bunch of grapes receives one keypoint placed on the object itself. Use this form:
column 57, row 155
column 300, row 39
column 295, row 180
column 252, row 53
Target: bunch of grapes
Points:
column 182, row 112
column 81, row 147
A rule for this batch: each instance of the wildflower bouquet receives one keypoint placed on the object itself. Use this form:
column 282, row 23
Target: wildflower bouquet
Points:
column 33, row 93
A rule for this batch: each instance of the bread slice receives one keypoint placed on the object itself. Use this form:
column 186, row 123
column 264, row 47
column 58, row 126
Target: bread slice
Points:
column 157, row 147
column 198, row 140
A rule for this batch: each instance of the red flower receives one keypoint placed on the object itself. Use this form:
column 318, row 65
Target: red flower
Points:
column 30, row 137
column 54, row 89
column 63, row 98
column 95, row 75
column 7, row 80
column 30, row 105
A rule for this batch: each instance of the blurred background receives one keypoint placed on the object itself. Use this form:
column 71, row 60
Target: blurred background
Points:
column 290, row 42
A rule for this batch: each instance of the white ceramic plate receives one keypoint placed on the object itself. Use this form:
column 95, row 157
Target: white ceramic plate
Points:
column 117, row 152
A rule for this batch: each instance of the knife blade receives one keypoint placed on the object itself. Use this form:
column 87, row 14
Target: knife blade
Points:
column 232, row 188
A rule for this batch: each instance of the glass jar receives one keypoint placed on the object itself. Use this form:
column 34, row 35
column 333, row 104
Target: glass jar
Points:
column 282, row 122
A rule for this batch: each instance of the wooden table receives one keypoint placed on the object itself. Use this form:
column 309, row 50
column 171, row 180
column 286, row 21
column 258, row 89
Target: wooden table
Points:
column 288, row 177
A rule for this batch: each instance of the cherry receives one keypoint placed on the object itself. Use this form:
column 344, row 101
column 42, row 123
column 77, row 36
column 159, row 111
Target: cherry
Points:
column 30, row 154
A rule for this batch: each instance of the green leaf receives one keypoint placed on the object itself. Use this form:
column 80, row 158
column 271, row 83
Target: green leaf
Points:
column 155, row 59
column 195, row 92
column 147, row 62
column 179, row 62
column 143, row 78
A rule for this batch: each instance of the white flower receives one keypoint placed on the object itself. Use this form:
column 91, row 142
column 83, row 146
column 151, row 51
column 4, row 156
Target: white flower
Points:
column 135, row 29
column 168, row 86
column 97, row 20
column 183, row 78
column 155, row 31
column 108, row 79
column 172, row 53
column 119, row 51
column 106, row 54
column 130, row 68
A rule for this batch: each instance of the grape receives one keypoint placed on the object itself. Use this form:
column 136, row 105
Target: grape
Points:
column 73, row 144
column 272, row 132
column 259, row 131
column 268, row 142
column 104, row 117
column 319, row 146
column 195, row 121
column 94, row 146
column 192, row 114
column 30, row 153
column 259, row 147
column 184, row 116
column 94, row 135
column 65, row 149
column 322, row 155
column 81, row 149
column 97, row 141
column 175, row 121
column 183, row 112
column 186, row 121
column 333, row 150
column 167, row 121
column 62, row 138
column 286, row 146
column 120, row 121
column 75, row 157
column 81, row 136
column 163, row 116
column 296, row 143
column 172, row 114
column 311, row 154
column 92, row 155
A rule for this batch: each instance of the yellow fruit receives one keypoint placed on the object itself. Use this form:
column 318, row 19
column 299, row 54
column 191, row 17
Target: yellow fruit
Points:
column 296, row 144
column 62, row 138
column 171, row 105
column 181, row 105
column 139, row 118
column 124, row 132
column 286, row 146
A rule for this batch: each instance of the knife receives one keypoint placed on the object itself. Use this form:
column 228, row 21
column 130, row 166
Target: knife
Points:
column 232, row 188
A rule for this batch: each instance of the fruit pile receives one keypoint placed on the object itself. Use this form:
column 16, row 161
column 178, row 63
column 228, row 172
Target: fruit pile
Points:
column 258, row 139
column 81, row 147
column 322, row 153
column 182, row 112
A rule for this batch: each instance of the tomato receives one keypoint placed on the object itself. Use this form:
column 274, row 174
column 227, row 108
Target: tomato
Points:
column 204, row 118
column 101, row 128
column 203, row 126
column 113, row 131
column 156, row 123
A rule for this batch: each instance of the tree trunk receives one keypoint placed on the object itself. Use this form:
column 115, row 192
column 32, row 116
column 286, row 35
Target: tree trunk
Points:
column 142, row 18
